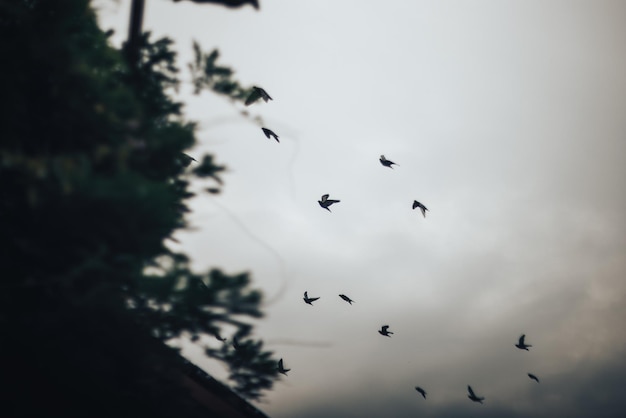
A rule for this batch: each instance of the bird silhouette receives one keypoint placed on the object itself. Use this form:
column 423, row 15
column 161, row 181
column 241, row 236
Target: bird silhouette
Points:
column 270, row 134
column 473, row 396
column 383, row 331
column 308, row 300
column 326, row 202
column 532, row 376
column 347, row 299
column 281, row 369
column 420, row 390
column 521, row 345
column 423, row 208
column 386, row 162
column 256, row 94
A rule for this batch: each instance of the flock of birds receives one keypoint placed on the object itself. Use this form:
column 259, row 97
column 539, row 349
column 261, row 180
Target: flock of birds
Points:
column 384, row 331
column 325, row 202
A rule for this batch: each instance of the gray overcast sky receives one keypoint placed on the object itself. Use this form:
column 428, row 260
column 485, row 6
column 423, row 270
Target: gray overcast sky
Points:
column 507, row 120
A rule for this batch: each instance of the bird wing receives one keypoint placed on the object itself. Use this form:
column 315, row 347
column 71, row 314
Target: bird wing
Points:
column 423, row 208
column 385, row 327
column 324, row 197
column 521, row 339
column 415, row 204
column 305, row 295
column 313, row 299
column 264, row 94
column 331, row 201
column 253, row 97
column 382, row 158
column 269, row 133
column 280, row 364
column 471, row 392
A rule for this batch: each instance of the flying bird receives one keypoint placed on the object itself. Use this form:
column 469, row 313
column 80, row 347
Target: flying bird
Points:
column 270, row 134
column 308, row 300
column 473, row 396
column 532, row 376
column 383, row 331
column 423, row 208
column 521, row 345
column 281, row 369
column 257, row 93
column 420, row 390
column 347, row 299
column 326, row 202
column 386, row 162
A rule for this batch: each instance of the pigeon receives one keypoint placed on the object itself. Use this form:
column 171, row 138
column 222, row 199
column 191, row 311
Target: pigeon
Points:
column 269, row 133
column 257, row 93
column 386, row 162
column 423, row 208
column 420, row 390
column 347, row 299
column 308, row 300
column 326, row 202
column 521, row 345
column 383, row 331
column 532, row 376
column 281, row 369
column 473, row 396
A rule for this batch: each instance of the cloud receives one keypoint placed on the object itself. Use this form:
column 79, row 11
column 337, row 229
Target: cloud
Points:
column 507, row 123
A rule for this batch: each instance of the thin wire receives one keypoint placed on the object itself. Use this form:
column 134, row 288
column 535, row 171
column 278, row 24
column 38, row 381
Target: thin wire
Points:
column 264, row 244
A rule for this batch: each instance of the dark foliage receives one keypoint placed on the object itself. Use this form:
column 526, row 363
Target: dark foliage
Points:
column 94, row 180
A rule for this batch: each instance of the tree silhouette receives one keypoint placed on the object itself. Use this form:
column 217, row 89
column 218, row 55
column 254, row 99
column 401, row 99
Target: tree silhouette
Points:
column 94, row 181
